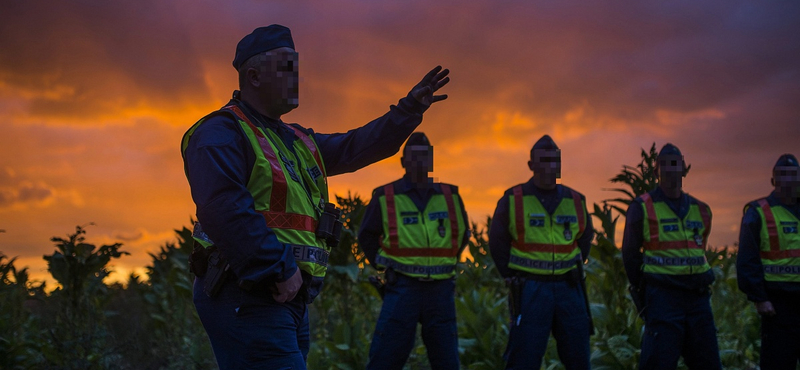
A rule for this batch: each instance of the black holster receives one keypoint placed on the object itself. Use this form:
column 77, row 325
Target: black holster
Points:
column 638, row 298
column 515, row 287
column 582, row 281
column 198, row 260
column 218, row 270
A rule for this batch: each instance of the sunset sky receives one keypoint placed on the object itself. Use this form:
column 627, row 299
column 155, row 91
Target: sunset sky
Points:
column 95, row 96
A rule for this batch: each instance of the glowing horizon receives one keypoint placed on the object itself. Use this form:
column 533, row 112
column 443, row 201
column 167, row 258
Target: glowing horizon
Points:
column 94, row 98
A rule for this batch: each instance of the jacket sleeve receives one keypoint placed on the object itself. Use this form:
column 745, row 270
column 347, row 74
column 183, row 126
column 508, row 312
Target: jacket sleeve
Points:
column 632, row 240
column 218, row 163
column 500, row 239
column 369, row 235
column 372, row 142
column 749, row 269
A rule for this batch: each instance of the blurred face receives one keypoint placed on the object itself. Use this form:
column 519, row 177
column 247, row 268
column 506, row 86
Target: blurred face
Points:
column 546, row 165
column 418, row 161
column 787, row 181
column 279, row 80
column 670, row 171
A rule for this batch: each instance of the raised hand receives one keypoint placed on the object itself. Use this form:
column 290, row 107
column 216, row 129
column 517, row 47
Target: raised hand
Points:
column 432, row 82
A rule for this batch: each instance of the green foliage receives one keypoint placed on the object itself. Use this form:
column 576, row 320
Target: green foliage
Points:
column 481, row 306
column 19, row 347
column 639, row 180
column 151, row 323
column 176, row 336
column 78, row 336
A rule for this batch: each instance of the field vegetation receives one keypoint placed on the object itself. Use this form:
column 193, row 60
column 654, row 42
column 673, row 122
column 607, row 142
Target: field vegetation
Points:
column 150, row 322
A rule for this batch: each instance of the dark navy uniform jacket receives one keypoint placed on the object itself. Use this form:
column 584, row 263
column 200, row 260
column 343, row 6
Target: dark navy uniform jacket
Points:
column 500, row 239
column 633, row 239
column 749, row 270
column 219, row 160
column 369, row 237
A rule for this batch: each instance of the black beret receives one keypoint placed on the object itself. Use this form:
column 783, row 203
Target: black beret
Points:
column 669, row 149
column 262, row 39
column 418, row 138
column 787, row 160
column 546, row 143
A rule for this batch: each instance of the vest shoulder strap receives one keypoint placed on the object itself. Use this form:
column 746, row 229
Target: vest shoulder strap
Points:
column 312, row 147
column 451, row 211
column 652, row 218
column 391, row 215
column 280, row 188
column 772, row 227
column 519, row 213
column 576, row 198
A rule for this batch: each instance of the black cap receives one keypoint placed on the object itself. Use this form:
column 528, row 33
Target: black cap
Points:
column 787, row 160
column 417, row 138
column 545, row 142
column 262, row 39
column 670, row 149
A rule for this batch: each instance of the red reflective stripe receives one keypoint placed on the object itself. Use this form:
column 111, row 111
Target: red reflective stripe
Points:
column 705, row 214
column 291, row 221
column 310, row 145
column 420, row 252
column 391, row 214
column 548, row 248
column 651, row 217
column 519, row 215
column 772, row 227
column 579, row 211
column 451, row 210
column 278, row 195
column 664, row 246
column 776, row 255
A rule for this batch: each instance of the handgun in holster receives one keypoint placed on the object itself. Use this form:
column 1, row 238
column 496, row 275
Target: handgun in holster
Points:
column 198, row 260
column 638, row 298
column 582, row 282
column 218, row 270
column 515, row 286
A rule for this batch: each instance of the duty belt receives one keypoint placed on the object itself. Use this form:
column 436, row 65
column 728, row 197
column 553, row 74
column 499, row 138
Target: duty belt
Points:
column 414, row 269
column 675, row 261
column 778, row 269
column 543, row 265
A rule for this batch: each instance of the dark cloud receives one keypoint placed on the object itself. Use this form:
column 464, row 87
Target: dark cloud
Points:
column 88, row 59
column 25, row 193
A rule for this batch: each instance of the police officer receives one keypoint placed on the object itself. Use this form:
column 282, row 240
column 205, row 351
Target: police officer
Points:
column 261, row 193
column 415, row 229
column 666, row 232
column 768, row 265
column 539, row 238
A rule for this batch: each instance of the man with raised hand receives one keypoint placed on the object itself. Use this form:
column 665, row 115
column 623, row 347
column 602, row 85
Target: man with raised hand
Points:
column 260, row 186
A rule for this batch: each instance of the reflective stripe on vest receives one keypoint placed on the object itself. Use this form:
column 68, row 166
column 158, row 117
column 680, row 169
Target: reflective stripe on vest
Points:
column 555, row 254
column 673, row 246
column 416, row 270
column 290, row 210
column 416, row 248
column 780, row 246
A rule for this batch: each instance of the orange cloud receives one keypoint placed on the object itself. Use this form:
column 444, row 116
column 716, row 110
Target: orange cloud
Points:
column 94, row 98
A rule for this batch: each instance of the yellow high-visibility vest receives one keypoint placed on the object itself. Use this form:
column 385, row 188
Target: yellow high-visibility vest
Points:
column 289, row 189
